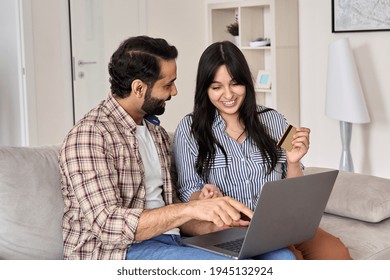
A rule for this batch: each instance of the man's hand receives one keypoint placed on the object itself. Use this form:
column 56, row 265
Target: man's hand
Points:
column 222, row 211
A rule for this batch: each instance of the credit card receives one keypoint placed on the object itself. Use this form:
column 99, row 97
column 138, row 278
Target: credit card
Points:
column 287, row 137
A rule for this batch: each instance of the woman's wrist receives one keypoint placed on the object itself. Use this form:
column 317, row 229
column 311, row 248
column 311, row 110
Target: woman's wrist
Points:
column 294, row 169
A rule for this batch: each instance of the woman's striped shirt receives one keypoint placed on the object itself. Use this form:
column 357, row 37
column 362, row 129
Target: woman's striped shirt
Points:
column 243, row 174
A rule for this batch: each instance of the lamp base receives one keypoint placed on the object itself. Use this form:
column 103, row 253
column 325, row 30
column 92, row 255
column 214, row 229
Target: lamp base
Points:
column 346, row 163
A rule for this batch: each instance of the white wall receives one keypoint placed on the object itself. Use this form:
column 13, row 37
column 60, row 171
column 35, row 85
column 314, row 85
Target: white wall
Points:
column 183, row 24
column 369, row 141
column 11, row 83
column 369, row 145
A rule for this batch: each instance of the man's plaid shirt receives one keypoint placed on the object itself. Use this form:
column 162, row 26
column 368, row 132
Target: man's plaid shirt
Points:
column 103, row 182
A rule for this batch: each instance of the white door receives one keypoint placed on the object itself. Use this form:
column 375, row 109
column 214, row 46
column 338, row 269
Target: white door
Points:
column 97, row 28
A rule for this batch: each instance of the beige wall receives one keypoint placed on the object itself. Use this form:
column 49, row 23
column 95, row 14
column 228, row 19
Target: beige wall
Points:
column 369, row 145
column 183, row 24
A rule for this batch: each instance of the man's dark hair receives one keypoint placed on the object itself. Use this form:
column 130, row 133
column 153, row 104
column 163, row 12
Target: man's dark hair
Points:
column 138, row 58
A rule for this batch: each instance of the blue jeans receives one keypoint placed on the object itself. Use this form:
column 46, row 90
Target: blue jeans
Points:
column 167, row 247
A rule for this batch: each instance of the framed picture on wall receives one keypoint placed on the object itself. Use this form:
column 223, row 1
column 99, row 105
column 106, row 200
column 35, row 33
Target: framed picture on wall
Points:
column 360, row 16
column 263, row 80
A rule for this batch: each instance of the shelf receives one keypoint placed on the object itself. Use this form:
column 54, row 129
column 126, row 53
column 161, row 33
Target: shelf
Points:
column 263, row 90
column 255, row 48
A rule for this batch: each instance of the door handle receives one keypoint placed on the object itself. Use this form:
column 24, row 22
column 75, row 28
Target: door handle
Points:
column 81, row 62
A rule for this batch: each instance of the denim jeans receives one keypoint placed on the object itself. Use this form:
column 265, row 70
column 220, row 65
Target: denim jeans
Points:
column 167, row 247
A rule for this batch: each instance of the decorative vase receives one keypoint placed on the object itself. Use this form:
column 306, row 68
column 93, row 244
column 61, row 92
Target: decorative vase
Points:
column 237, row 40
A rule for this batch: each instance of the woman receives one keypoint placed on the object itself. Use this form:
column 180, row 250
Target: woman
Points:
column 227, row 146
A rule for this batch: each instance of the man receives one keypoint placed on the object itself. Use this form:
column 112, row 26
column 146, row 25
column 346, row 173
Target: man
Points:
column 119, row 199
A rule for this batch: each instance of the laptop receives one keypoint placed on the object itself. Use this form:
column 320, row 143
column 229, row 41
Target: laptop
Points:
column 288, row 212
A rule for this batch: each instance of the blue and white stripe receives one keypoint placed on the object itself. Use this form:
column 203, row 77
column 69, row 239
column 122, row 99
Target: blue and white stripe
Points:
column 244, row 174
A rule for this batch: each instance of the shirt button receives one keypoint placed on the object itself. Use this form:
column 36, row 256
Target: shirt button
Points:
column 247, row 182
column 243, row 159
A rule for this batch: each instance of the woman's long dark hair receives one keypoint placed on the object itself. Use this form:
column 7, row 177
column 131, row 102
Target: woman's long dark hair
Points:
column 216, row 55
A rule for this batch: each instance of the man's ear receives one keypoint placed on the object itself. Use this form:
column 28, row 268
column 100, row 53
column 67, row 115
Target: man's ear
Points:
column 138, row 88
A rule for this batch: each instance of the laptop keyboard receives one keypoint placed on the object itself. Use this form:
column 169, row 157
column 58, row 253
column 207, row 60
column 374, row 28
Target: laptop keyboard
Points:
column 234, row 245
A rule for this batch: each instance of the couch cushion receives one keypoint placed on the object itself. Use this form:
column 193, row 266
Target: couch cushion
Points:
column 31, row 205
column 365, row 241
column 358, row 196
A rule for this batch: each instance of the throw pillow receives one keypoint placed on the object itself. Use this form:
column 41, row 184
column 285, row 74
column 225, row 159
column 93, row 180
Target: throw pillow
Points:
column 358, row 196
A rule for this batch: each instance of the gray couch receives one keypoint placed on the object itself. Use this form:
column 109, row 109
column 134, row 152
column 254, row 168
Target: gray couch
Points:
column 358, row 212
column 31, row 208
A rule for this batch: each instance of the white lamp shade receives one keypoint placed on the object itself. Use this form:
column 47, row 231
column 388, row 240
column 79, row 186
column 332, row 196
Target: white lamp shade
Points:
column 344, row 95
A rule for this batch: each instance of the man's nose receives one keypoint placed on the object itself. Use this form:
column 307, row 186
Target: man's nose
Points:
column 174, row 90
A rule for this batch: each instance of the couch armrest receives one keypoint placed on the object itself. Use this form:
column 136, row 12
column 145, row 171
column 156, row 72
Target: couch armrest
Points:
column 31, row 204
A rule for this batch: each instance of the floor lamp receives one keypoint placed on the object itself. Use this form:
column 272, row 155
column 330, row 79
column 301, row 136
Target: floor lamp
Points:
column 344, row 96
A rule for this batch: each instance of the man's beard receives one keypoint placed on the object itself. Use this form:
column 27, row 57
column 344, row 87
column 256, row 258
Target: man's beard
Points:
column 153, row 106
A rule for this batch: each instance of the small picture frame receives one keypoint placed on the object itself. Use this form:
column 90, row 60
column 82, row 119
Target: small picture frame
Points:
column 263, row 80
